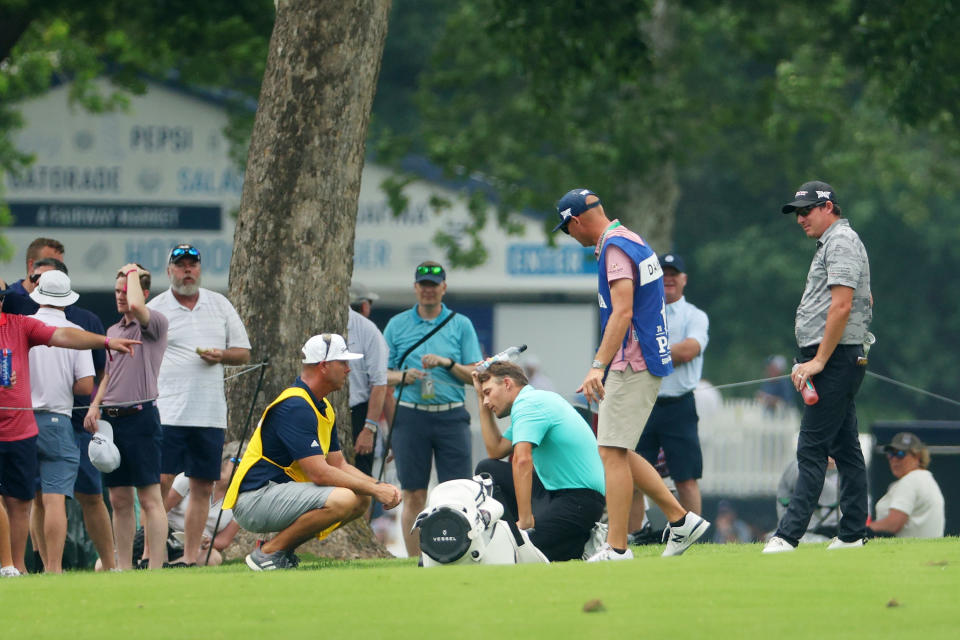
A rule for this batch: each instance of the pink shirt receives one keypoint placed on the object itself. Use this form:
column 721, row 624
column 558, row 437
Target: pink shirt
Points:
column 620, row 266
column 134, row 379
column 19, row 333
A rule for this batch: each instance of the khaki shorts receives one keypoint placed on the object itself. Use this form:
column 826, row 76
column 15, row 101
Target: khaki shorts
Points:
column 627, row 403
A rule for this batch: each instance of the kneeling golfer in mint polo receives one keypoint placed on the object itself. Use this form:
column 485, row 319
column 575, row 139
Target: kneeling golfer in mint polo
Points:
column 293, row 478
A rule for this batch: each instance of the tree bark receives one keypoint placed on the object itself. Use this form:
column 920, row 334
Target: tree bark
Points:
column 293, row 247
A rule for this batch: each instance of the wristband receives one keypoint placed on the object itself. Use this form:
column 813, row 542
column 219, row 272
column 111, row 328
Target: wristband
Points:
column 106, row 347
column 372, row 425
column 129, row 272
column 596, row 364
column 452, row 363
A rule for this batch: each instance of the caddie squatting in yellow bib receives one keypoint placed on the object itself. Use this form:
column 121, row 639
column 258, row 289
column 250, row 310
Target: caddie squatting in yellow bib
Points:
column 291, row 433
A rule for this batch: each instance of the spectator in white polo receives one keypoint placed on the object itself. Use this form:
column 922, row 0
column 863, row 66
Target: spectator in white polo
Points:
column 63, row 371
column 205, row 334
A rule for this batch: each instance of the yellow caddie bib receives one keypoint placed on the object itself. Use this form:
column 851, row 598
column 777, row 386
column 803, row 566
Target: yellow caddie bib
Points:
column 254, row 452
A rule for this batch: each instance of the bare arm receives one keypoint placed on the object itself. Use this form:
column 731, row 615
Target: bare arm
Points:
column 621, row 297
column 232, row 356
column 893, row 523
column 523, row 483
column 70, row 338
column 685, row 350
column 226, row 535
column 394, row 376
column 497, row 446
column 462, row 372
column 841, row 301
column 93, row 413
column 172, row 499
column 136, row 300
column 83, row 386
column 337, row 474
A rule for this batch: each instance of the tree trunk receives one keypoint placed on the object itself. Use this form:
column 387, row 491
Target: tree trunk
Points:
column 293, row 246
column 652, row 206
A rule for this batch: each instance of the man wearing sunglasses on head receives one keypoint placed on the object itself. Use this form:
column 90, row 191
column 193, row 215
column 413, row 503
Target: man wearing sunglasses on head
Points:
column 205, row 333
column 431, row 421
column 831, row 327
column 18, row 299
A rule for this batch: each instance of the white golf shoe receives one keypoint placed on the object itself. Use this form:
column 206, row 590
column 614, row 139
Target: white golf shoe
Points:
column 680, row 538
column 776, row 544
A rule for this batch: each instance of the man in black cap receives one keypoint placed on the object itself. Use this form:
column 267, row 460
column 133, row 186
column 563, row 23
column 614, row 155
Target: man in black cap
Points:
column 431, row 421
column 831, row 328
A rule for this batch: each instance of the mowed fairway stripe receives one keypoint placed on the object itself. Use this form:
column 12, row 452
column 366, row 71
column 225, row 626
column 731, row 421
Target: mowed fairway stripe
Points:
column 712, row 591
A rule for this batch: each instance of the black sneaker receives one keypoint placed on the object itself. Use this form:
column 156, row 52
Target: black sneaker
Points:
column 644, row 535
column 260, row 561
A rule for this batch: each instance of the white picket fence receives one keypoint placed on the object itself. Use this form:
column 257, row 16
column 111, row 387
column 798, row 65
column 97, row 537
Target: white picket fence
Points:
column 746, row 448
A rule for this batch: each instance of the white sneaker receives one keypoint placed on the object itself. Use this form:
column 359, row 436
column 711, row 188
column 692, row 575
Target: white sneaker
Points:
column 679, row 538
column 9, row 572
column 776, row 544
column 837, row 543
column 607, row 553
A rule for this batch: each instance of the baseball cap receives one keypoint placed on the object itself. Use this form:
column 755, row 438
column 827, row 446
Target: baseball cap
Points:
column 905, row 441
column 673, row 260
column 429, row 271
column 327, row 347
column 359, row 292
column 809, row 193
column 573, row 203
column 103, row 453
column 53, row 288
column 183, row 251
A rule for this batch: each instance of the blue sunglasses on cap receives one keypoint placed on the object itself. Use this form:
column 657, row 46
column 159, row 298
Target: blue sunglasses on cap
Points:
column 184, row 250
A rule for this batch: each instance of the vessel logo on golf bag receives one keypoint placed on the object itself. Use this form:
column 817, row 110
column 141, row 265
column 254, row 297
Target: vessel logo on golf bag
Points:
column 462, row 524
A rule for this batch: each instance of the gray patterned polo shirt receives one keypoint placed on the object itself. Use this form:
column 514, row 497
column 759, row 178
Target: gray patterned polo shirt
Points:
column 841, row 259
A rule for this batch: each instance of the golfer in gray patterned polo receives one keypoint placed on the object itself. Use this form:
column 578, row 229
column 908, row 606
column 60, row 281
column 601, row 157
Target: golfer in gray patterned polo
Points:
column 831, row 327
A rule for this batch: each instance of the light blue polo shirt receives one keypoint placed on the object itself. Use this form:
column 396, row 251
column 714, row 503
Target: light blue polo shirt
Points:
column 685, row 321
column 565, row 452
column 457, row 340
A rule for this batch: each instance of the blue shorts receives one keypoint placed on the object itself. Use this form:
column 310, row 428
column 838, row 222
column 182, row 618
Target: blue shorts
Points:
column 57, row 454
column 673, row 425
column 19, row 468
column 195, row 451
column 137, row 437
column 88, row 476
column 419, row 436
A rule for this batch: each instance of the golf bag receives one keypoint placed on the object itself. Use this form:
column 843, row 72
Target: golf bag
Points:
column 462, row 524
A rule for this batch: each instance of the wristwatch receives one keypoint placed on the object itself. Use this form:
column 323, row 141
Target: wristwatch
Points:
column 371, row 425
column 596, row 364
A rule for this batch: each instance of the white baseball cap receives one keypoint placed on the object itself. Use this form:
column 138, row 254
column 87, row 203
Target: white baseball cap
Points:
column 104, row 455
column 327, row 347
column 53, row 288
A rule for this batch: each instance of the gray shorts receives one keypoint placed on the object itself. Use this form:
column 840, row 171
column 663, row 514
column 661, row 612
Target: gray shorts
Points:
column 274, row 507
column 57, row 452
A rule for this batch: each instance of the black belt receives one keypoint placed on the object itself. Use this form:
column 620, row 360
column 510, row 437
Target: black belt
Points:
column 811, row 351
column 662, row 400
column 122, row 412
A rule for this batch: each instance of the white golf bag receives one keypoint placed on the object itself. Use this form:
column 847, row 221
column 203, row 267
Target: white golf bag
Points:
column 462, row 524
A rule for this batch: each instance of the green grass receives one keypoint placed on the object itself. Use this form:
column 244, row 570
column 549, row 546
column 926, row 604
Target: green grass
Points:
column 713, row 591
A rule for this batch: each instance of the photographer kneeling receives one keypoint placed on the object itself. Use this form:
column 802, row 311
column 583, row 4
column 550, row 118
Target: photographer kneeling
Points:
column 554, row 485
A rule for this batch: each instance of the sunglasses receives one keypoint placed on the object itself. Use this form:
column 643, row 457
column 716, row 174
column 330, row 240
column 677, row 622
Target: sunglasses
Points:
column 897, row 454
column 179, row 252
column 435, row 270
column 805, row 211
column 35, row 278
column 567, row 216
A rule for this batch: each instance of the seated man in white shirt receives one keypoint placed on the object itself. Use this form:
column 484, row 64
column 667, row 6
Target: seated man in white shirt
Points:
column 176, row 502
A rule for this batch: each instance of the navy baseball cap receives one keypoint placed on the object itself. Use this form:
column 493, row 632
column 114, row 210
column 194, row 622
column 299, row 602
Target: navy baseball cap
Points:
column 810, row 193
column 429, row 271
column 674, row 261
column 573, row 204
